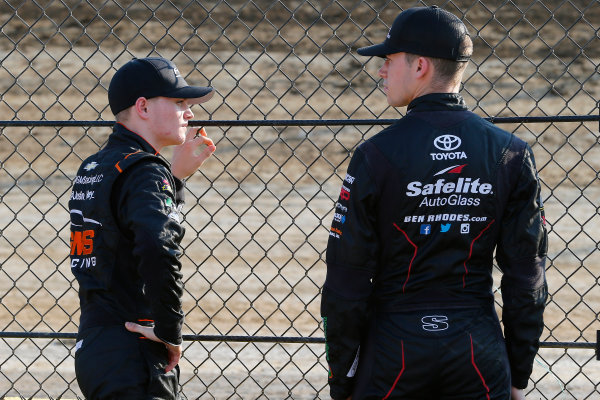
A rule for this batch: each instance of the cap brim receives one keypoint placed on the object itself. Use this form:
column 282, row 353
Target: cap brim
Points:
column 378, row 50
column 193, row 94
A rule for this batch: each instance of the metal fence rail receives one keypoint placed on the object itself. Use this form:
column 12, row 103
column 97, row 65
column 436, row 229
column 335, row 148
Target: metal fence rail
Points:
column 293, row 101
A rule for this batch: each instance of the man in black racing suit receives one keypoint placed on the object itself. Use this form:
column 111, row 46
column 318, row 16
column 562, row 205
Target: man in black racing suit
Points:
column 407, row 305
column 126, row 233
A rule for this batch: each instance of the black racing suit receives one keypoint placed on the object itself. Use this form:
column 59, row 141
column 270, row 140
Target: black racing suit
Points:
column 408, row 296
column 125, row 249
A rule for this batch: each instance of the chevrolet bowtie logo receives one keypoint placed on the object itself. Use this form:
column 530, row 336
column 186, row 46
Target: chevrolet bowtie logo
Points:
column 91, row 166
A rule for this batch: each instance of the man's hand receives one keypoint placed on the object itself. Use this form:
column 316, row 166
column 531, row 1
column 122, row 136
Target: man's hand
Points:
column 174, row 352
column 186, row 160
column 516, row 394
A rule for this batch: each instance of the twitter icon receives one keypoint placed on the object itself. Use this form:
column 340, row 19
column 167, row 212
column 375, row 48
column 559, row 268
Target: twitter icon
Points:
column 445, row 227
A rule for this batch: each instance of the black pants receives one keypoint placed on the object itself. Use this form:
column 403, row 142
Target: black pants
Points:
column 434, row 354
column 113, row 363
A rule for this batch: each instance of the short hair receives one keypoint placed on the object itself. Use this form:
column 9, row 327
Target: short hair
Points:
column 123, row 115
column 448, row 70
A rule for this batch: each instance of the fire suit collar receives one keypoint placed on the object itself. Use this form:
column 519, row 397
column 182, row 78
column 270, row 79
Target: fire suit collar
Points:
column 122, row 134
column 438, row 102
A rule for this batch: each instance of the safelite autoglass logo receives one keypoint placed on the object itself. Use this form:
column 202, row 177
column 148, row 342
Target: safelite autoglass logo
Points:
column 450, row 192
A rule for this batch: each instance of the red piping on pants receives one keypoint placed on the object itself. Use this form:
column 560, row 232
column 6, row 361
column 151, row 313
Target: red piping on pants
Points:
column 487, row 389
column 399, row 374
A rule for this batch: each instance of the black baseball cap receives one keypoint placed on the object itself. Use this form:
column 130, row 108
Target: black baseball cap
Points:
column 424, row 31
column 151, row 77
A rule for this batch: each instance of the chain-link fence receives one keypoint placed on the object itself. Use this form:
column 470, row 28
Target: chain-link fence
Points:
column 258, row 213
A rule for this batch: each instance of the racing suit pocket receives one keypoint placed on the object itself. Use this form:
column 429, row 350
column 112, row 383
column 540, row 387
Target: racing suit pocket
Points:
column 161, row 384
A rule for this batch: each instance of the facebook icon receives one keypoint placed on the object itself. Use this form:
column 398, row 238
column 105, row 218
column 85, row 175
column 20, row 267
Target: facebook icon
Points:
column 425, row 229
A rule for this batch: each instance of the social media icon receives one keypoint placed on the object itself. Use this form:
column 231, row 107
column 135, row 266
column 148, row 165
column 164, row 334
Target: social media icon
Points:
column 464, row 228
column 445, row 227
column 425, row 229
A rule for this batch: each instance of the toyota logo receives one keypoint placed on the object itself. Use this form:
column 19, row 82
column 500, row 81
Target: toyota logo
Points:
column 447, row 142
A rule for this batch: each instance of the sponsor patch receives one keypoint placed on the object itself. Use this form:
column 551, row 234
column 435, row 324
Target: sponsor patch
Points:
column 455, row 155
column 85, row 262
column 441, row 186
column 454, row 169
column 336, row 233
column 443, row 218
column 91, row 166
column 82, row 242
column 77, row 219
column 447, row 142
column 87, row 195
column 452, row 200
column 340, row 207
column 75, row 195
column 434, row 323
column 345, row 193
column 339, row 218
column 88, row 180
column 543, row 215
column 166, row 186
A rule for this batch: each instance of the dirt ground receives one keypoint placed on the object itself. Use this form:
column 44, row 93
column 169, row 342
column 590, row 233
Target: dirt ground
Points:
column 258, row 213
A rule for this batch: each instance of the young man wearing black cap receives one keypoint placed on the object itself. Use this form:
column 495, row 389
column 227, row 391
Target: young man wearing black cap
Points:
column 126, row 232
column 407, row 305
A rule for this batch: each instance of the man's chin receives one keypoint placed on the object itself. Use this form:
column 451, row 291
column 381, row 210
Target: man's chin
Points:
column 180, row 139
column 397, row 103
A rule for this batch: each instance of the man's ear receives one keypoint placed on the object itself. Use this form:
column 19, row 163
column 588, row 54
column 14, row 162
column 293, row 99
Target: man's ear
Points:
column 141, row 107
column 422, row 67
